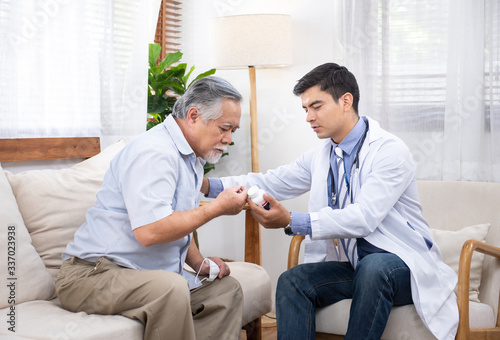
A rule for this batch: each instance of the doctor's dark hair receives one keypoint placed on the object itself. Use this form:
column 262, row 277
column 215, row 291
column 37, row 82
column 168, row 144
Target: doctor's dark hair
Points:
column 331, row 78
column 206, row 94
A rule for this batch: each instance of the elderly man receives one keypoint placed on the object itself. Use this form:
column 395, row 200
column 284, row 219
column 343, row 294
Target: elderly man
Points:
column 128, row 257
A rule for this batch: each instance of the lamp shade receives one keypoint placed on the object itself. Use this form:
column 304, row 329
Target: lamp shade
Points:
column 259, row 40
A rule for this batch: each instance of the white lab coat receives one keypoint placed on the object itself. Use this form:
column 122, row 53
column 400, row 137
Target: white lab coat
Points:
column 385, row 211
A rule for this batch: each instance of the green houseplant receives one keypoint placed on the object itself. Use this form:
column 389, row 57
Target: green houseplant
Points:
column 166, row 83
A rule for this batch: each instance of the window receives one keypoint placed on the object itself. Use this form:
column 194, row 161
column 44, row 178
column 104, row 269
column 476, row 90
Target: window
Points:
column 429, row 72
column 74, row 68
column 492, row 64
column 412, row 70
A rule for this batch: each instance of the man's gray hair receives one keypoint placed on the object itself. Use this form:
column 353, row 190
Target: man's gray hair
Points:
column 206, row 94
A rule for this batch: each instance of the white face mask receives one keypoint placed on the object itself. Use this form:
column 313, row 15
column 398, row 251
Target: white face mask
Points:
column 214, row 271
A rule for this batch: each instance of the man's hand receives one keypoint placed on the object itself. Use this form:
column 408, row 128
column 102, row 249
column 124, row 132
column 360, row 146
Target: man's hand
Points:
column 276, row 217
column 232, row 200
column 223, row 267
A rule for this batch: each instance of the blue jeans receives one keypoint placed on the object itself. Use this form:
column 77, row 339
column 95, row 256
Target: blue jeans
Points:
column 380, row 281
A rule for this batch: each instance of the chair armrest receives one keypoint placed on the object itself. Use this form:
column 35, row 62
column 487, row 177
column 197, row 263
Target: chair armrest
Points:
column 294, row 250
column 463, row 284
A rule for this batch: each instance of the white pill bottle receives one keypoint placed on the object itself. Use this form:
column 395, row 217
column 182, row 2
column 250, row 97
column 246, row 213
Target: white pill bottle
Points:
column 257, row 196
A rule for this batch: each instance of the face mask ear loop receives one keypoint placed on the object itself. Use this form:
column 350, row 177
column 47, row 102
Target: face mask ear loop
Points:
column 199, row 270
column 214, row 271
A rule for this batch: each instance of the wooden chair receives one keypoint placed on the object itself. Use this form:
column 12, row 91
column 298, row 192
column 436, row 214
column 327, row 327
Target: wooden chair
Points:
column 464, row 330
column 31, row 149
column 467, row 203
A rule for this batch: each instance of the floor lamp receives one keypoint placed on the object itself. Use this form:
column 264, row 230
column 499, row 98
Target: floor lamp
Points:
column 252, row 41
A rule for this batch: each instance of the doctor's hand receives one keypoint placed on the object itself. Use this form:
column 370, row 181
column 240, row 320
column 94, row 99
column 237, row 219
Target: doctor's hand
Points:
column 276, row 217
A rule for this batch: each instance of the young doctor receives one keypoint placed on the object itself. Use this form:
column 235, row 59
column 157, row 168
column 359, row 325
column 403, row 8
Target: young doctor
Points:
column 364, row 194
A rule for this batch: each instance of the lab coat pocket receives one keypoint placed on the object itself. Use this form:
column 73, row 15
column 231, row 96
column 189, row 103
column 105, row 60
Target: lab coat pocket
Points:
column 428, row 242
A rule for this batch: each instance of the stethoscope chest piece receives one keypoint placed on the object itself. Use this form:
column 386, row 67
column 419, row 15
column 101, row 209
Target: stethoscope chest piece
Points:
column 334, row 198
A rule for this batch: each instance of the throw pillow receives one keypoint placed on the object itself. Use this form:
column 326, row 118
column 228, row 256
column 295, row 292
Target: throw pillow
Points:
column 450, row 243
column 53, row 203
column 24, row 275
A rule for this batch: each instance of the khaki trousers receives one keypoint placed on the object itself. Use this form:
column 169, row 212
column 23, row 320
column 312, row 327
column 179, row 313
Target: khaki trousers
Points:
column 161, row 300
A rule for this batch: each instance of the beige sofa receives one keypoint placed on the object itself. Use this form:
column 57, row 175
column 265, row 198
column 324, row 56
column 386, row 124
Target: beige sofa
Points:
column 40, row 212
column 456, row 212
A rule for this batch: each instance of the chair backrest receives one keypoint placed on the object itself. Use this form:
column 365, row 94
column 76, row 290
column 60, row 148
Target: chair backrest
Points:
column 454, row 205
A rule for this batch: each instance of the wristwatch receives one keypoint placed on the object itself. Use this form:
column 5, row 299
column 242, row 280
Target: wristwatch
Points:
column 288, row 228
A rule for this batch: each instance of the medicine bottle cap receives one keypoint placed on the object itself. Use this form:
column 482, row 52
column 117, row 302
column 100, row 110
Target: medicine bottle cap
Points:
column 253, row 191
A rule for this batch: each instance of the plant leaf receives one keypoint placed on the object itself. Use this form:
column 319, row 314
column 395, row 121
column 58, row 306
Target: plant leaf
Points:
column 186, row 77
column 203, row 75
column 170, row 58
column 154, row 53
column 173, row 85
column 181, row 66
column 171, row 74
column 174, row 72
column 156, row 116
column 157, row 104
column 149, row 125
column 208, row 167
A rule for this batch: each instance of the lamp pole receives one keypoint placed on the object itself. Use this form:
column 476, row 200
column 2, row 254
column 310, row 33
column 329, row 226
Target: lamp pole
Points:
column 253, row 250
column 254, row 140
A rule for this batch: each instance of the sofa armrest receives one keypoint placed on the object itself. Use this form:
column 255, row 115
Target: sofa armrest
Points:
column 464, row 331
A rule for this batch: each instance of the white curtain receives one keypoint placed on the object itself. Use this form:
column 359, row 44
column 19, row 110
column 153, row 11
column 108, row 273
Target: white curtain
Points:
column 428, row 70
column 74, row 67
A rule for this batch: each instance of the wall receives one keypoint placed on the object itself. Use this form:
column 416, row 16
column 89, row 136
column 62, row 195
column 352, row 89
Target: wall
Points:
column 283, row 132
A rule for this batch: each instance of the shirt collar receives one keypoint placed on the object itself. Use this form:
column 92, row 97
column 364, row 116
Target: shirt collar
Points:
column 177, row 136
column 353, row 138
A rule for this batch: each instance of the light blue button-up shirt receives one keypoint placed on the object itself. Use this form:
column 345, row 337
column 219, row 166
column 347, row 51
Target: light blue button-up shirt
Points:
column 154, row 175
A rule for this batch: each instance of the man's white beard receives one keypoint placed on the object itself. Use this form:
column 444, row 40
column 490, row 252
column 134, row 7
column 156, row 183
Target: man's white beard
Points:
column 214, row 156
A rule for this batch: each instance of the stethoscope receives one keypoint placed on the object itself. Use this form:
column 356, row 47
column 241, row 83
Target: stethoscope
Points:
column 355, row 162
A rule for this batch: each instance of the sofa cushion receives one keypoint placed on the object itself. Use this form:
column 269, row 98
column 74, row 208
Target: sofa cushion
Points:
column 450, row 244
column 48, row 320
column 21, row 267
column 54, row 202
column 403, row 323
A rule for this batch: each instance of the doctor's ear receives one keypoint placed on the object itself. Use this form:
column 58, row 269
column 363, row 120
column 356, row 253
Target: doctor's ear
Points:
column 346, row 101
